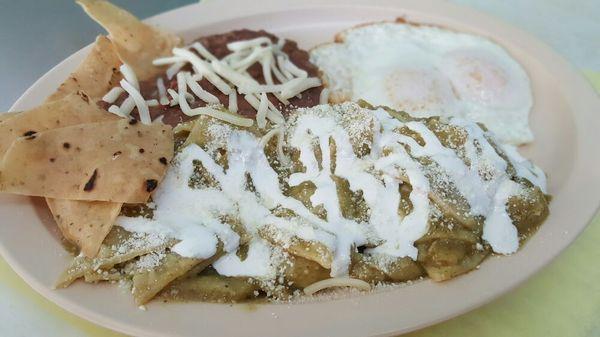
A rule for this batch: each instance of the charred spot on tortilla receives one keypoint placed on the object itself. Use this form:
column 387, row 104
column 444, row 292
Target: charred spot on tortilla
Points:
column 132, row 121
column 151, row 185
column 66, row 146
column 90, row 183
column 141, row 150
column 163, row 160
column 29, row 133
column 83, row 96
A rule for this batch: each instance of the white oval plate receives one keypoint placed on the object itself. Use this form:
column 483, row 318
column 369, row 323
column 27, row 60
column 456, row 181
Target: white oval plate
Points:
column 565, row 121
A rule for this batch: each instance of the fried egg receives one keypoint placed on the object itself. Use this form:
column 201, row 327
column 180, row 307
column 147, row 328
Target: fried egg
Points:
column 429, row 71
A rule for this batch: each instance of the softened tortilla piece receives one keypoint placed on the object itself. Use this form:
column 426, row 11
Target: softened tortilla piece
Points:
column 96, row 75
column 85, row 223
column 136, row 42
column 118, row 247
column 117, row 161
column 148, row 283
column 73, row 109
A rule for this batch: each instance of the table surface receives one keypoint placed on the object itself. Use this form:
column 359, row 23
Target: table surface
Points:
column 562, row 300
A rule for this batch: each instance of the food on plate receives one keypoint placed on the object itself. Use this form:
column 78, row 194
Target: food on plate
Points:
column 338, row 195
column 95, row 75
column 260, row 60
column 209, row 171
column 135, row 43
column 427, row 71
column 124, row 164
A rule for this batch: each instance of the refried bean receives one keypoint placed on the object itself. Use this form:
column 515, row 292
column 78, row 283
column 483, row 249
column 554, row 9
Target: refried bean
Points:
column 217, row 45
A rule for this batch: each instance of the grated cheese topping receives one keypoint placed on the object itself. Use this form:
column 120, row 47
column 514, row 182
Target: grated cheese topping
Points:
column 193, row 215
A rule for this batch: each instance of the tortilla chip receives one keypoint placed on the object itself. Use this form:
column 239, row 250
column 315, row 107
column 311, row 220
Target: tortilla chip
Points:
column 73, row 109
column 85, row 223
column 6, row 115
column 136, row 42
column 96, row 75
column 117, row 161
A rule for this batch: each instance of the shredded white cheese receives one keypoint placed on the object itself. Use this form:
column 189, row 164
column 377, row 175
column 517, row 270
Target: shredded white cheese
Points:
column 140, row 102
column 129, row 75
column 324, row 96
column 113, row 95
column 337, row 282
column 203, row 51
column 239, row 45
column 162, row 91
column 261, row 115
column 198, row 91
column 233, row 107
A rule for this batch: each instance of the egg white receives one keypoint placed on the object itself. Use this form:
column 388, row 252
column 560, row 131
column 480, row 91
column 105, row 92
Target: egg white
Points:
column 430, row 71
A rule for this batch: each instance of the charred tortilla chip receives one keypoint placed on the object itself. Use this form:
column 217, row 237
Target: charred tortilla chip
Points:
column 96, row 75
column 85, row 223
column 136, row 42
column 70, row 110
column 116, row 161
column 91, row 222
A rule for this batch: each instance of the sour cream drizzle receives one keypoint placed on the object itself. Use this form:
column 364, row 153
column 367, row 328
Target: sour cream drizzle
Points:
column 192, row 215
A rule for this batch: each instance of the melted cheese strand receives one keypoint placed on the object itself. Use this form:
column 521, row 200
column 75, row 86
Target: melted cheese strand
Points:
column 336, row 283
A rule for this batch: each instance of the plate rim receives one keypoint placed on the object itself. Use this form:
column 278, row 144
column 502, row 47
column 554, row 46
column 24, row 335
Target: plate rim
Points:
column 565, row 68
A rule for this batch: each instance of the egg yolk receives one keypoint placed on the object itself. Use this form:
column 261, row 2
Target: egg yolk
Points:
column 478, row 78
column 416, row 90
